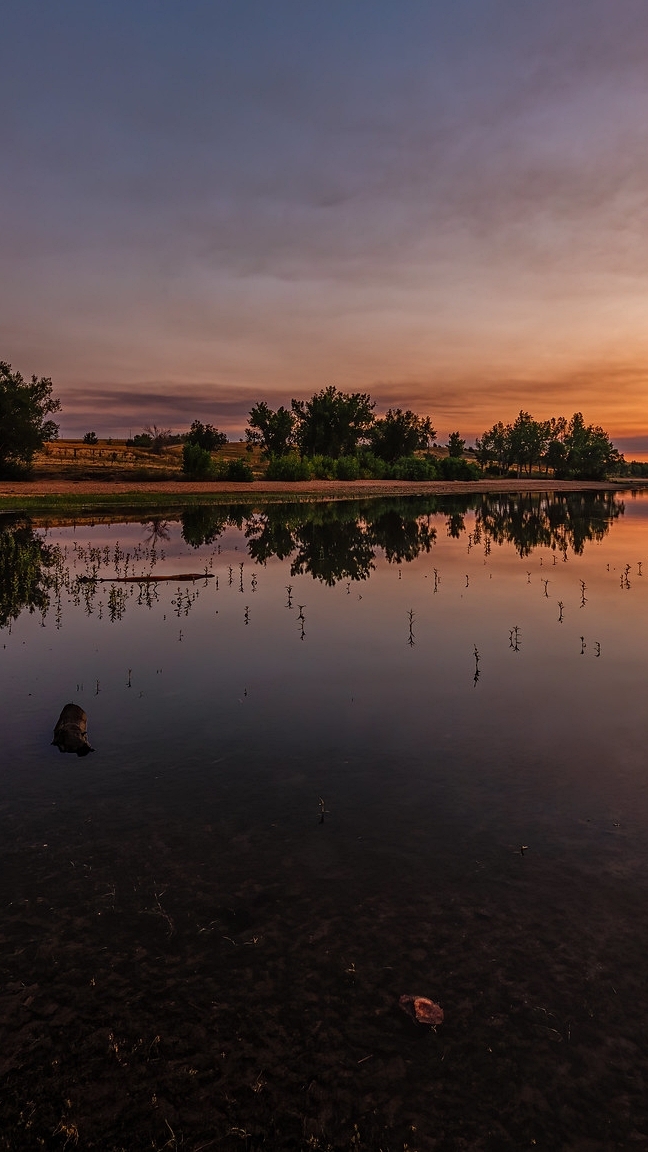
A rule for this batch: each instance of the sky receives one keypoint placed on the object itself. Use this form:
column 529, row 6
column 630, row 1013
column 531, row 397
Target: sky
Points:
column 204, row 204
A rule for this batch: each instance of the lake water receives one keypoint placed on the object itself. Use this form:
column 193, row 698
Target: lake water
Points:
column 376, row 749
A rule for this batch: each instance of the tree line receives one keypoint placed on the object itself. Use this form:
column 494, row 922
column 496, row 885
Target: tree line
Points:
column 570, row 449
column 333, row 435
column 337, row 434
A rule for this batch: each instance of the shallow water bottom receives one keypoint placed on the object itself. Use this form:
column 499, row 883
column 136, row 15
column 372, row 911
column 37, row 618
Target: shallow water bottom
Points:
column 212, row 981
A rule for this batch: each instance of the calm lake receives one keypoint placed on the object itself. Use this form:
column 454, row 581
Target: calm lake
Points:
column 374, row 749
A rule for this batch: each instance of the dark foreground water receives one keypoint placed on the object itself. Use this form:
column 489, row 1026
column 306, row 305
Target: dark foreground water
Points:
column 376, row 749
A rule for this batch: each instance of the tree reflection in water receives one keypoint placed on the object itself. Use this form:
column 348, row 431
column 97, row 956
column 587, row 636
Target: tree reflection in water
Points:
column 338, row 541
column 27, row 571
column 156, row 531
column 329, row 541
column 558, row 521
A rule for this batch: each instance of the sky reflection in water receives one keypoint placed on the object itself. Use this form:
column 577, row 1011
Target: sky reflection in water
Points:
column 331, row 669
column 449, row 680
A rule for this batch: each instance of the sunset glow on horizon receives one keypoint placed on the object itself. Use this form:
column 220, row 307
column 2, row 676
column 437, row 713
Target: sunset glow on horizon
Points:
column 205, row 205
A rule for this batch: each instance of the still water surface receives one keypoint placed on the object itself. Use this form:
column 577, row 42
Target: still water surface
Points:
column 378, row 748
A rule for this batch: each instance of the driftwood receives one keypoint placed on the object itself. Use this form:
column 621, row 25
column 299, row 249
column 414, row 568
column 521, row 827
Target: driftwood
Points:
column 145, row 579
column 71, row 732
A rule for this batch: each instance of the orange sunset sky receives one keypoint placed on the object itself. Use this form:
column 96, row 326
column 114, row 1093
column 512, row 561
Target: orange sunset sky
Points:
column 208, row 204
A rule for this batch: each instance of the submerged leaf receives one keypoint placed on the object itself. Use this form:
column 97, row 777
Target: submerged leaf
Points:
column 423, row 1010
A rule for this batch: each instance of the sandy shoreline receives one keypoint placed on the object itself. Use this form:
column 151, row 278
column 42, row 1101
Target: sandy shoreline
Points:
column 313, row 489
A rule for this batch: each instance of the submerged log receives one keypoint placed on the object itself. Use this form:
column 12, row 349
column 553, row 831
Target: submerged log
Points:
column 71, row 731
column 145, row 579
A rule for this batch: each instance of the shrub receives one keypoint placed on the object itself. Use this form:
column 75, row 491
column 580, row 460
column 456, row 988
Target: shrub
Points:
column 456, row 468
column 290, row 467
column 372, row 467
column 323, row 467
column 347, row 468
column 197, row 462
column 237, row 469
column 90, row 438
column 413, row 468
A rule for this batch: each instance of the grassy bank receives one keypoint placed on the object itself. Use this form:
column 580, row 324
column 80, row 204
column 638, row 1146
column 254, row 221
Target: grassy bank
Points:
column 134, row 505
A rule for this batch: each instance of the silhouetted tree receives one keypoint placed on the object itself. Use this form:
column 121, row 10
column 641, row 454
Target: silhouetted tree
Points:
column 572, row 449
column 205, row 436
column 528, row 440
column 400, row 434
column 272, row 431
column 456, row 445
column 333, row 423
column 493, row 449
column 159, row 437
column 590, row 452
column 24, row 427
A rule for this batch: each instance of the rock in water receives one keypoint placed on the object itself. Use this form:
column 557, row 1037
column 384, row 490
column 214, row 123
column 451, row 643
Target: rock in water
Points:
column 421, row 1009
column 71, row 732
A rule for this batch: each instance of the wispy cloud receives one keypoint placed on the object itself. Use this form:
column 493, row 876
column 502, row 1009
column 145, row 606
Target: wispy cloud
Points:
column 614, row 394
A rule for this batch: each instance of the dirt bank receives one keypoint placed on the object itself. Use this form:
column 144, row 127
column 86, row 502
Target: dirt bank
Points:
column 313, row 489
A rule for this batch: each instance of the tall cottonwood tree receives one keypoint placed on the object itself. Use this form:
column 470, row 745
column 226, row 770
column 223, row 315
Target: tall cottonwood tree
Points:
column 399, row 433
column 333, row 423
column 271, row 431
column 206, row 436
